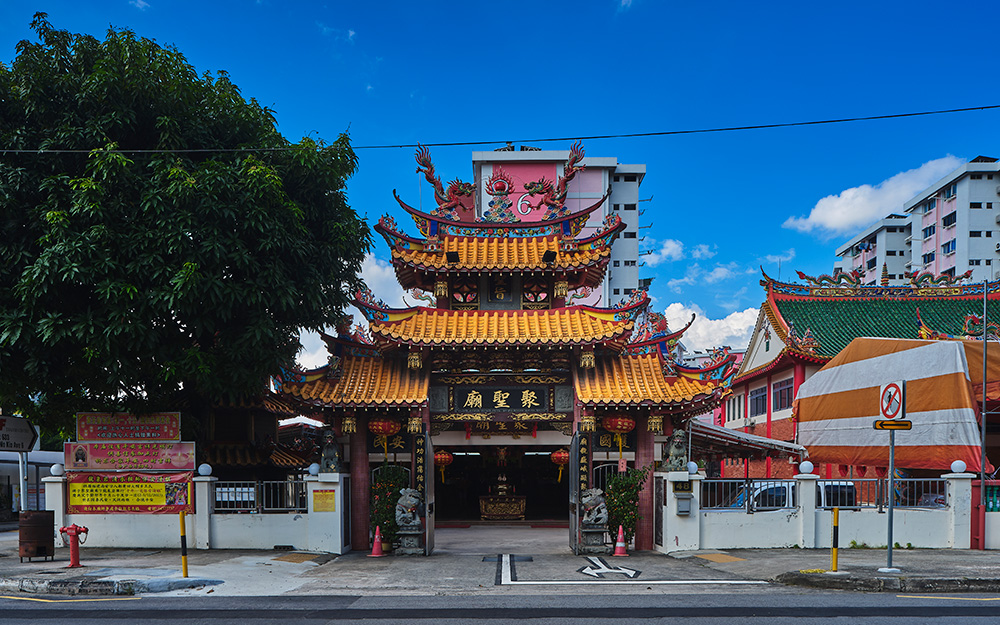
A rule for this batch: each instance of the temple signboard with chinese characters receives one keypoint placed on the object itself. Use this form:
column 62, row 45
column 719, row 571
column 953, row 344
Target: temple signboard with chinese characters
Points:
column 497, row 398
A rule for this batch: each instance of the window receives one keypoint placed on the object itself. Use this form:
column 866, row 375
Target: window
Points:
column 949, row 192
column 616, row 263
column 618, row 178
column 975, row 204
column 949, row 272
column 782, row 395
column 989, row 176
column 871, row 263
column 975, row 233
column 630, row 263
column 948, row 248
column 758, row 402
column 988, row 261
column 989, row 234
column 976, row 176
column 890, row 253
column 630, row 207
column 616, row 207
column 629, row 235
column 928, row 258
column 629, row 291
column 974, row 263
column 630, row 178
column 930, row 205
column 929, row 231
column 617, row 292
column 949, row 220
column 989, row 205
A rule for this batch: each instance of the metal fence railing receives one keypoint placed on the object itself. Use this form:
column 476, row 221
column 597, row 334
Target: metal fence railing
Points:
column 260, row 497
column 756, row 494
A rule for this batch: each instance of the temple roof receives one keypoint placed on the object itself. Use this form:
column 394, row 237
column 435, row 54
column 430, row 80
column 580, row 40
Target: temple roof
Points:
column 359, row 381
column 571, row 325
column 641, row 379
column 817, row 320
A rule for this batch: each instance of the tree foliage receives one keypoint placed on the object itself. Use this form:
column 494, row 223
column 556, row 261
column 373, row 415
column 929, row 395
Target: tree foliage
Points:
column 622, row 499
column 172, row 260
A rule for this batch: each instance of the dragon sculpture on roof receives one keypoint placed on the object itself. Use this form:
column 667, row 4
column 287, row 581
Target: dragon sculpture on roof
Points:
column 843, row 278
column 554, row 196
column 926, row 278
column 447, row 200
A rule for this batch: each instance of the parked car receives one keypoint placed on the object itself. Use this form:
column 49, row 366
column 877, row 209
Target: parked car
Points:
column 781, row 494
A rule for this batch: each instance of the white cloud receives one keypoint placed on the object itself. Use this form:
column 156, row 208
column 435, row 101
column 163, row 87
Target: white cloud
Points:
column 786, row 256
column 670, row 250
column 733, row 330
column 350, row 35
column 702, row 251
column 721, row 272
column 368, row 87
column 861, row 206
column 142, row 5
column 625, row 5
column 381, row 279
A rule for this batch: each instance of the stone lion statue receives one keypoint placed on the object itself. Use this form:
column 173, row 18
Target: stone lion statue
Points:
column 595, row 510
column 677, row 452
column 408, row 508
column 330, row 461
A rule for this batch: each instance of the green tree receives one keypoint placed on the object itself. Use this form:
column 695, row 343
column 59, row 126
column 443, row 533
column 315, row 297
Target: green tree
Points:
column 162, row 244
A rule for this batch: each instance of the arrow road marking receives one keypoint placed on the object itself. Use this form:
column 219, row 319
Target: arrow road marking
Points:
column 602, row 568
column 507, row 576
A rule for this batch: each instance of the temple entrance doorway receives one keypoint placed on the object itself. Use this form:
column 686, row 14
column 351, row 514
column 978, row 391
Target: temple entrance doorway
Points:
column 502, row 485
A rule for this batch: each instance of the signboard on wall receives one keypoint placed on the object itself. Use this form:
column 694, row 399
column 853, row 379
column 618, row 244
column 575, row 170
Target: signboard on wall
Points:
column 106, row 426
column 129, row 456
column 129, row 493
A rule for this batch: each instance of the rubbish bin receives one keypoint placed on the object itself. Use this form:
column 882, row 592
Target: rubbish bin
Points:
column 37, row 534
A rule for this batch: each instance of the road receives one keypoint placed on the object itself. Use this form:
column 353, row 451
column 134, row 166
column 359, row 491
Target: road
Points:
column 699, row 608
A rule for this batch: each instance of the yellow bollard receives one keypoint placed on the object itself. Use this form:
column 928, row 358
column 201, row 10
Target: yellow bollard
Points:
column 184, row 547
column 836, row 537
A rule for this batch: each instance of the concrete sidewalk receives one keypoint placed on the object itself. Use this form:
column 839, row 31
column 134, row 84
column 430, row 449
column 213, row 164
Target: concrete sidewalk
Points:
column 465, row 563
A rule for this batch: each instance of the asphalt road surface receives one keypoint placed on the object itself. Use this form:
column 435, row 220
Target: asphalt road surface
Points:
column 763, row 607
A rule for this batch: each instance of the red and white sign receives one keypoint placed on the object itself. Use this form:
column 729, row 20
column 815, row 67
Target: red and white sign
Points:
column 103, row 426
column 892, row 398
column 129, row 456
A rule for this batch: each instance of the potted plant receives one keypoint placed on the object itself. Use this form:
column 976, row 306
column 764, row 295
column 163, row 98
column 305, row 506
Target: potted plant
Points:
column 622, row 498
column 384, row 495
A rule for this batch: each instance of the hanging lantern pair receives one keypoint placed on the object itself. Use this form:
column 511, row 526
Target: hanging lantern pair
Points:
column 443, row 458
column 385, row 427
column 560, row 458
column 619, row 426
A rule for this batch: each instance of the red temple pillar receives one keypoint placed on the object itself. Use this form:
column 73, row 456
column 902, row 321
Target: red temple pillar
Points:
column 360, row 487
column 644, row 457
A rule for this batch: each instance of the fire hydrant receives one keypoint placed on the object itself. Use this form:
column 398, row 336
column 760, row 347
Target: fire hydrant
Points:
column 74, row 532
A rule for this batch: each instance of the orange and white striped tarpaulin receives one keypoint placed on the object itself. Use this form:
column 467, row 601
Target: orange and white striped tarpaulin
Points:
column 837, row 406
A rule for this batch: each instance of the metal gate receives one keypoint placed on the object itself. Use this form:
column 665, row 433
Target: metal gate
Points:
column 575, row 457
column 428, row 494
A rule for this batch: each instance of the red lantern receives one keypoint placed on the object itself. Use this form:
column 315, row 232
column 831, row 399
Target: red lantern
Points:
column 560, row 457
column 443, row 458
column 619, row 426
column 383, row 426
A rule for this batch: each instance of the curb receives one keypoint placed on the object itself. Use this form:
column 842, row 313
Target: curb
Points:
column 100, row 587
column 890, row 584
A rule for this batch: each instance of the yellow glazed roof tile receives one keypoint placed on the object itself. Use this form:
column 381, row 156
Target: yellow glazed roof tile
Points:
column 636, row 379
column 482, row 253
column 572, row 325
column 365, row 381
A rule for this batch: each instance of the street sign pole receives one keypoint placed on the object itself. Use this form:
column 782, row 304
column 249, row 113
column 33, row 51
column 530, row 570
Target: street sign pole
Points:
column 892, row 490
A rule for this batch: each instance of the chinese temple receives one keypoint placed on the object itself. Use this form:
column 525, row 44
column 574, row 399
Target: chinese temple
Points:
column 804, row 326
column 483, row 390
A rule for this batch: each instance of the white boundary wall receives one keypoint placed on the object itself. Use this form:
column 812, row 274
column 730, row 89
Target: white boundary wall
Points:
column 811, row 527
column 310, row 531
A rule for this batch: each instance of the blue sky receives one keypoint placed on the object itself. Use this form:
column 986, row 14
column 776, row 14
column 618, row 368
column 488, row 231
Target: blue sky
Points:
column 722, row 203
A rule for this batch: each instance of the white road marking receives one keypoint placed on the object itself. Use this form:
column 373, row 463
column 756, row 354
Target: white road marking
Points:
column 506, row 580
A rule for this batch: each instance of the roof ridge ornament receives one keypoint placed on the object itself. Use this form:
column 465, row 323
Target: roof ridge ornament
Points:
column 554, row 196
column 447, row 199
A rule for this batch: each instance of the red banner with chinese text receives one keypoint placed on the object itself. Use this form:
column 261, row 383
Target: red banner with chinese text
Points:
column 129, row 456
column 105, row 426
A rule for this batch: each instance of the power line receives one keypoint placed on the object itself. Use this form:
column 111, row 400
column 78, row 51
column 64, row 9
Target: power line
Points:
column 664, row 133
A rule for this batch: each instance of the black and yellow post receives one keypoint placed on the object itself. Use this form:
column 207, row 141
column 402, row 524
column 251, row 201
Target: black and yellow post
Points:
column 184, row 547
column 836, row 538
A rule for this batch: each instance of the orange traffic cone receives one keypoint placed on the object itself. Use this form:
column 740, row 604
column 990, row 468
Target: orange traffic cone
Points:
column 620, row 543
column 377, row 544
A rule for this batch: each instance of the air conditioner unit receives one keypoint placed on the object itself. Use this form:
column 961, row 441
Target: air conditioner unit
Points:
column 998, row 247
column 998, row 190
column 747, row 422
